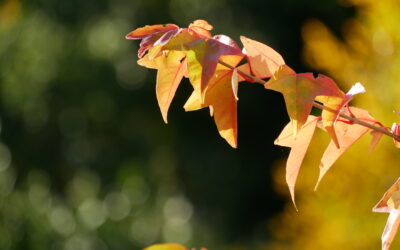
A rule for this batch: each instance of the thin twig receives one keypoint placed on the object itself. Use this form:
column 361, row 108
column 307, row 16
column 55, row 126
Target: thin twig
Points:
column 322, row 107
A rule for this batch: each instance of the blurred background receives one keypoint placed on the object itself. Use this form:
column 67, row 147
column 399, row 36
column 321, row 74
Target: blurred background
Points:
column 87, row 163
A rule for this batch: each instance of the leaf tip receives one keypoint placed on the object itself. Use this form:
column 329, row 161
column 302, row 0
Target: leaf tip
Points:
column 291, row 190
column 332, row 133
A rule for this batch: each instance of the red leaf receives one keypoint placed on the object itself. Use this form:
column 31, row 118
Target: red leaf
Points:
column 153, row 35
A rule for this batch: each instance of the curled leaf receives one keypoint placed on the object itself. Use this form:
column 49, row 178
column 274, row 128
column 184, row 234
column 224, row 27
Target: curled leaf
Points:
column 235, row 83
column 153, row 35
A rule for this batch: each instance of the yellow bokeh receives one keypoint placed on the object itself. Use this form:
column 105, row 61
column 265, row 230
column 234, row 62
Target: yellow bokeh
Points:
column 339, row 215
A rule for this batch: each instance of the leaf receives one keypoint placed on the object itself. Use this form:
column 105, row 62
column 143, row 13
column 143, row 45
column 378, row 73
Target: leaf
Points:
column 150, row 30
column 171, row 69
column 263, row 60
column 201, row 27
column 347, row 135
column 221, row 99
column 299, row 146
column 390, row 203
column 153, row 35
column 166, row 246
column 390, row 200
column 391, row 229
column 376, row 137
column 299, row 91
column 168, row 79
column 335, row 100
column 245, row 68
column 203, row 56
column 235, row 83
column 396, row 131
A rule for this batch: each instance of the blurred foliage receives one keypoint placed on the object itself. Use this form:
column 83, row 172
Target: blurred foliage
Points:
column 85, row 159
column 339, row 215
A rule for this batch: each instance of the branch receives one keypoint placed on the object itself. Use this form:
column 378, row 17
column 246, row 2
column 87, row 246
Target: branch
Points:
column 322, row 107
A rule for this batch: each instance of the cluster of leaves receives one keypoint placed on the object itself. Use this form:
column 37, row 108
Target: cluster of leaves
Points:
column 216, row 64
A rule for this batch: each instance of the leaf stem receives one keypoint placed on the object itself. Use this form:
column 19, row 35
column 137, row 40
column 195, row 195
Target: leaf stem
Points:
column 322, row 107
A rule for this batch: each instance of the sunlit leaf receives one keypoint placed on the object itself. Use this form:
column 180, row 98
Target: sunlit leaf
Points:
column 347, row 135
column 201, row 27
column 376, row 137
column 171, row 69
column 390, row 203
column 203, row 56
column 299, row 146
column 334, row 99
column 153, row 35
column 299, row 91
column 263, row 60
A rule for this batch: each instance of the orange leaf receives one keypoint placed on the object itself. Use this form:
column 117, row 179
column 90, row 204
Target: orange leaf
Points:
column 299, row 146
column 150, row 30
column 246, row 69
column 335, row 100
column 203, row 56
column 299, row 91
column 390, row 203
column 168, row 79
column 376, row 137
column 220, row 97
column 347, row 135
column 171, row 70
column 263, row 60
column 166, row 246
column 201, row 27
